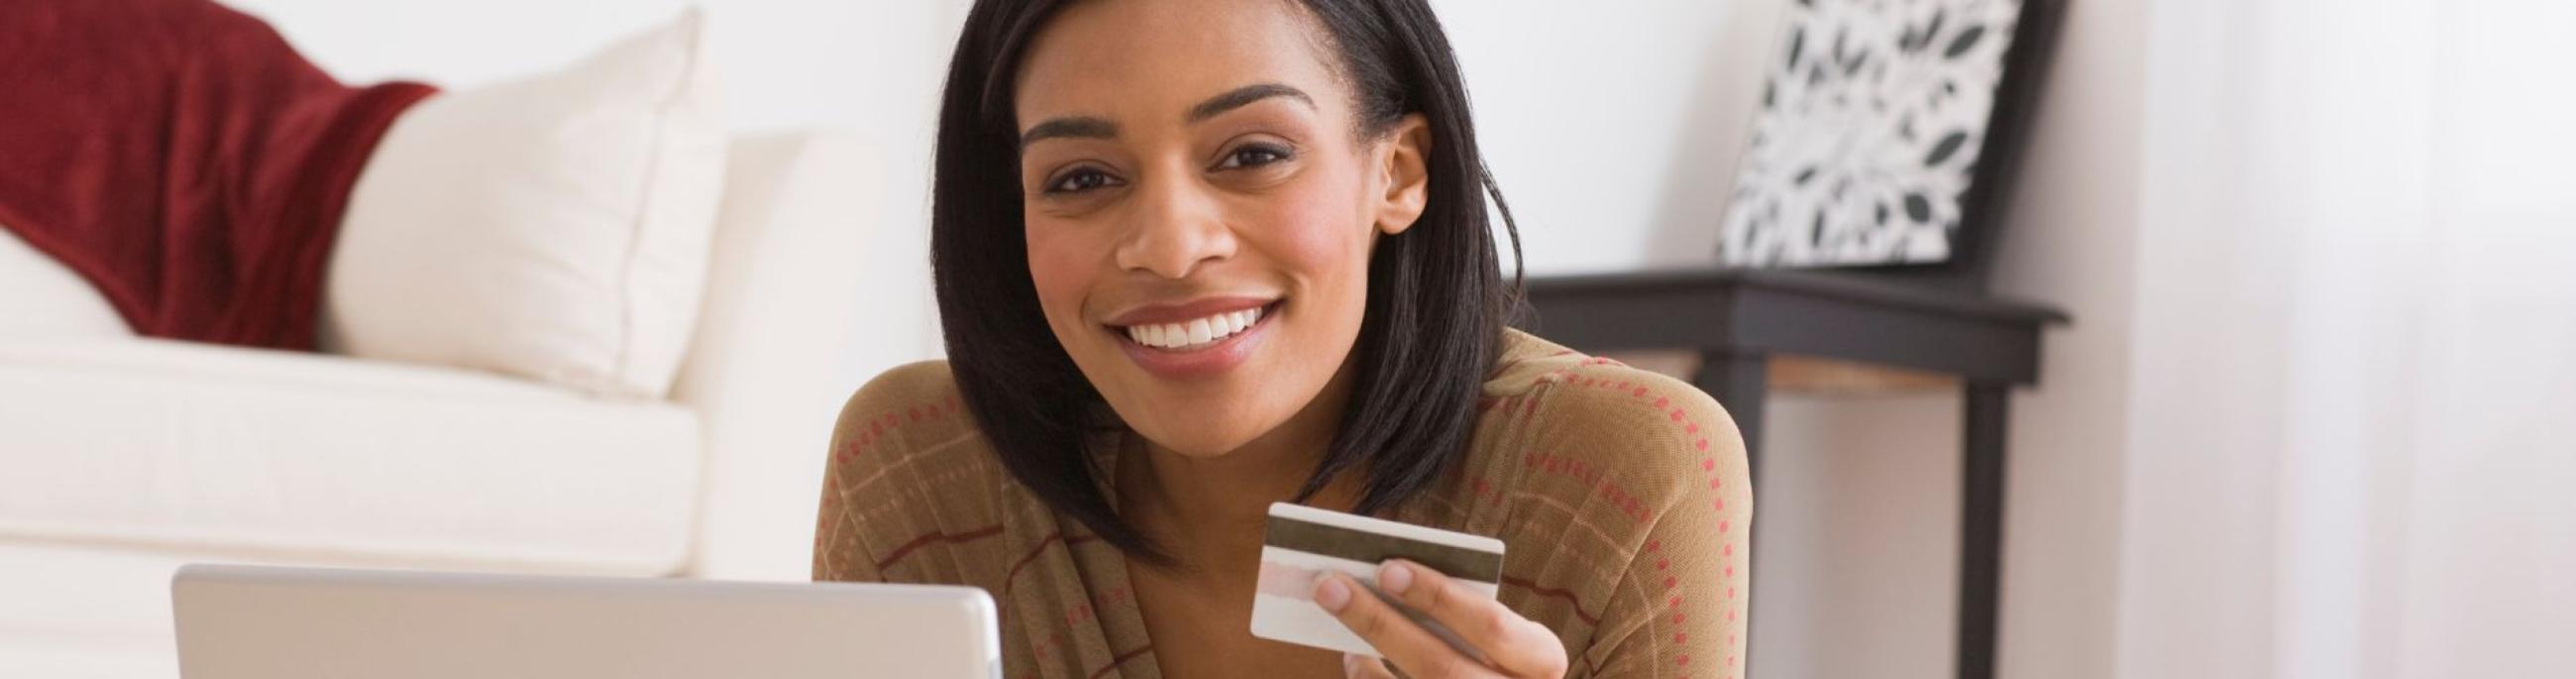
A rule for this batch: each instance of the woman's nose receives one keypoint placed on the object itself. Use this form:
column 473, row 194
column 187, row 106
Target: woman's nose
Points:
column 1177, row 227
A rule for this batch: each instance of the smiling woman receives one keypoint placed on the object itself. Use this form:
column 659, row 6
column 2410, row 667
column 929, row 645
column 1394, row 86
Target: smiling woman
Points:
column 1197, row 257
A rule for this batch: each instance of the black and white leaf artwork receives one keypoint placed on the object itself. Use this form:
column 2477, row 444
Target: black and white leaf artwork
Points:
column 1870, row 130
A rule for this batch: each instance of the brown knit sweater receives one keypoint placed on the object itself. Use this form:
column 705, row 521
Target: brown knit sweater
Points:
column 1620, row 495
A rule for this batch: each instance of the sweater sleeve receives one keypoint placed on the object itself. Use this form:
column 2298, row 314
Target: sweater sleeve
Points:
column 879, row 424
column 840, row 553
column 1675, row 466
column 1681, row 612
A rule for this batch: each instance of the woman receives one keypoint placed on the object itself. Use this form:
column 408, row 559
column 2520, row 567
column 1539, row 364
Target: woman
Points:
column 1196, row 257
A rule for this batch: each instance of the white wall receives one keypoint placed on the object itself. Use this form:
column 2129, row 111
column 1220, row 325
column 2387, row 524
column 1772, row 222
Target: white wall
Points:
column 2070, row 241
column 1613, row 127
column 2349, row 454
column 2490, row 533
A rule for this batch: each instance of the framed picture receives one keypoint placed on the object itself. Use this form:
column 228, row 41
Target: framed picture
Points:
column 1885, row 133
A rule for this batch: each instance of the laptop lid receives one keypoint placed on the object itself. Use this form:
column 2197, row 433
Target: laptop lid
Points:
column 240, row 622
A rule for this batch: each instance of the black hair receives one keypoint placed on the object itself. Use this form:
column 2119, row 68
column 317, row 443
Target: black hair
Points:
column 1436, row 309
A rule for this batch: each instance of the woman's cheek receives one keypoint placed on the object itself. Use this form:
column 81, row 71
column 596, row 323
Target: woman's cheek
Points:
column 1058, row 265
column 1317, row 239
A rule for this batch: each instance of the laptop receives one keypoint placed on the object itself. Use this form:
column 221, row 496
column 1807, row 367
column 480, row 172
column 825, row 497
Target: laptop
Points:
column 240, row 622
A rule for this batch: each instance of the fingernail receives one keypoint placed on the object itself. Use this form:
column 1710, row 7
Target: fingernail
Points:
column 1332, row 594
column 1394, row 577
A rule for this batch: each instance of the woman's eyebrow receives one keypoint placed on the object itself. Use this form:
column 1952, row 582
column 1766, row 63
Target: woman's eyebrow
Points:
column 1075, row 127
column 1244, row 96
column 1086, row 127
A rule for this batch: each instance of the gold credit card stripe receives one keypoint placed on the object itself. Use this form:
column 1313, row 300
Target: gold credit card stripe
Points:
column 1366, row 547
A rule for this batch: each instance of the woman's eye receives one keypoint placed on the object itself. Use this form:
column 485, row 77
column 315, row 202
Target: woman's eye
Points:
column 1255, row 155
column 1079, row 181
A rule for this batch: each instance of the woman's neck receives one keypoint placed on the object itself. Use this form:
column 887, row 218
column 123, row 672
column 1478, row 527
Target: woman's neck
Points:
column 1208, row 505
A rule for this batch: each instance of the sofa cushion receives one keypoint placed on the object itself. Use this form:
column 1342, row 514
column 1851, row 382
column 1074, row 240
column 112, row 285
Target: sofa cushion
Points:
column 46, row 299
column 175, row 445
column 553, row 227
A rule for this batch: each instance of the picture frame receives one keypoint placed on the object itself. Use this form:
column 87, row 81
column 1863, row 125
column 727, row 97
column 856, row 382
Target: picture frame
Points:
column 1888, row 136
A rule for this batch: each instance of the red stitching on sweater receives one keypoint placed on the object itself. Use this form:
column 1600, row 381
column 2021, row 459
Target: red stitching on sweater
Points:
column 879, row 427
column 1120, row 659
column 1011, row 580
column 1618, row 496
column 1570, row 600
column 917, row 543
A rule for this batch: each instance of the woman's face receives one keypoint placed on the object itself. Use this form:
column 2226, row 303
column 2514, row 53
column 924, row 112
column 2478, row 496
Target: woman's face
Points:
column 1200, row 211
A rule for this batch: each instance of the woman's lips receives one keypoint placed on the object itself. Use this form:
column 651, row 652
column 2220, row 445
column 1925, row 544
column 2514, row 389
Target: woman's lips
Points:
column 1202, row 359
column 1194, row 333
column 1183, row 312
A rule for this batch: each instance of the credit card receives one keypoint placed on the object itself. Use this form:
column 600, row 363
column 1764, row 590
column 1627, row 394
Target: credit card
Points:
column 1302, row 542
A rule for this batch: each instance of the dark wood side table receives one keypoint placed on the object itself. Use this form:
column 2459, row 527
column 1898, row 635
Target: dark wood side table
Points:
column 1739, row 320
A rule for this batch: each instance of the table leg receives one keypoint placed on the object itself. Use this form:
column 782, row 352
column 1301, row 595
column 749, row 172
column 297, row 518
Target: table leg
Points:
column 1981, row 529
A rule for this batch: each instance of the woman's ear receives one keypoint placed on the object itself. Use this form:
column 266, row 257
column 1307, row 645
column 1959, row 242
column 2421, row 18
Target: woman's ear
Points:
column 1404, row 164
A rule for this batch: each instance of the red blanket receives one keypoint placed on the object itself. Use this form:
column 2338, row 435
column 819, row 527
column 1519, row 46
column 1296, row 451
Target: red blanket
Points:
column 183, row 158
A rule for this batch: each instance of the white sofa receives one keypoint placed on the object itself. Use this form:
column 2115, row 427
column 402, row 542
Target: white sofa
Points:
column 123, row 457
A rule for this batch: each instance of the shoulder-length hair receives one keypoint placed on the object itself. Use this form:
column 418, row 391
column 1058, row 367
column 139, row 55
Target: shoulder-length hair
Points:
column 1436, row 307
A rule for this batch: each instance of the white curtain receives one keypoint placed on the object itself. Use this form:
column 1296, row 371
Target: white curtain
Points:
column 2353, row 412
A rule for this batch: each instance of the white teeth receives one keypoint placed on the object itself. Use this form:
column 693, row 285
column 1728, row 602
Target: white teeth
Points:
column 1195, row 332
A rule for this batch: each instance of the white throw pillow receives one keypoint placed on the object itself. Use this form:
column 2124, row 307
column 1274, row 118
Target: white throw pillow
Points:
column 42, row 299
column 554, row 227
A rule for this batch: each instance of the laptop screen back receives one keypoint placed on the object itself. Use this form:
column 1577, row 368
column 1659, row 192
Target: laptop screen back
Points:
column 238, row 622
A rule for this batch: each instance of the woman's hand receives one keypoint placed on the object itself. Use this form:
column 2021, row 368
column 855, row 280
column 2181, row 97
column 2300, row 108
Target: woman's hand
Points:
column 1513, row 646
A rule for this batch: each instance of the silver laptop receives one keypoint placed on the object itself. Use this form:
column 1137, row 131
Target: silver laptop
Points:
column 239, row 622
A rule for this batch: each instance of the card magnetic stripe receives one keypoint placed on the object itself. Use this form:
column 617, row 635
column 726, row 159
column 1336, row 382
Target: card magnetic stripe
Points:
column 1366, row 547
